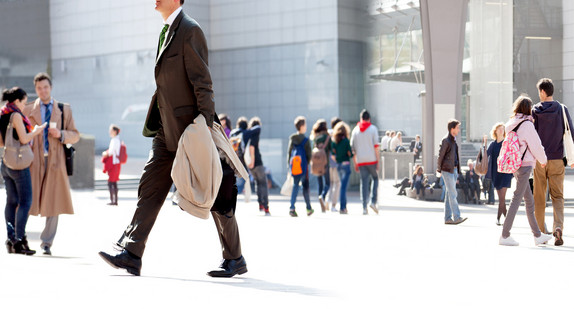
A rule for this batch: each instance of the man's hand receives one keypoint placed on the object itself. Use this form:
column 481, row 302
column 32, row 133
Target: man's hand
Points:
column 56, row 133
column 543, row 165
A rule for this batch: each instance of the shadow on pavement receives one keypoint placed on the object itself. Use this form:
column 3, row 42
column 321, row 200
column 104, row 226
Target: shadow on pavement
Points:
column 262, row 285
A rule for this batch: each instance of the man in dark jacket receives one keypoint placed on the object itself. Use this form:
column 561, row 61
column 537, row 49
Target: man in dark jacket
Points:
column 296, row 140
column 416, row 148
column 549, row 123
column 449, row 167
column 184, row 91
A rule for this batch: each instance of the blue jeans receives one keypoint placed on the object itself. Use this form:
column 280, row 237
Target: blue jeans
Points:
column 240, row 183
column 443, row 189
column 344, row 170
column 418, row 185
column 450, row 202
column 18, row 185
column 369, row 171
column 304, row 178
column 324, row 188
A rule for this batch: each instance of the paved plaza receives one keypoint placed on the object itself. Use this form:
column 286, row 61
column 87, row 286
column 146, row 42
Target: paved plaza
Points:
column 405, row 257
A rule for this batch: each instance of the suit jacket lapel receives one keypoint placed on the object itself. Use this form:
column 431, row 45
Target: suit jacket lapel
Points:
column 170, row 35
column 56, row 115
column 36, row 113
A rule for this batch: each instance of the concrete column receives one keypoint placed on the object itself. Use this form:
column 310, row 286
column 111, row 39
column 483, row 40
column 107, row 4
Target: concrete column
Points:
column 443, row 23
column 427, row 137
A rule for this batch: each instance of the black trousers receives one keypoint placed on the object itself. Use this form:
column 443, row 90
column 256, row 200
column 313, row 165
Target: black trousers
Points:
column 153, row 189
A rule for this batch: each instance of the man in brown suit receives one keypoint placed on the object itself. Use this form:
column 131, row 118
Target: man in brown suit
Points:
column 184, row 90
column 50, row 185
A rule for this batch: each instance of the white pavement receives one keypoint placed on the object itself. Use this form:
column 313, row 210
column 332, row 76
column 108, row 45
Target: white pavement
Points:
column 405, row 257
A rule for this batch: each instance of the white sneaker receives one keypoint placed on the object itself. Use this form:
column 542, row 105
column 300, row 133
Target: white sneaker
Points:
column 374, row 208
column 507, row 241
column 542, row 239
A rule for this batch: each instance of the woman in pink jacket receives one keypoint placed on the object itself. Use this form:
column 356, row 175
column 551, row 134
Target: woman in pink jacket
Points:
column 531, row 149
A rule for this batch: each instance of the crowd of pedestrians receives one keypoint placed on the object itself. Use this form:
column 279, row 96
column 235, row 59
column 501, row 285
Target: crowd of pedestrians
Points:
column 42, row 129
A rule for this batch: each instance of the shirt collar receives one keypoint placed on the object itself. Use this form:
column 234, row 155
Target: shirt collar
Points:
column 172, row 17
column 49, row 103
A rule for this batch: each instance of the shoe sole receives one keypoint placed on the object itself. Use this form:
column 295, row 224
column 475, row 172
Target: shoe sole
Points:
column 559, row 241
column 374, row 208
column 461, row 221
column 130, row 270
column 239, row 271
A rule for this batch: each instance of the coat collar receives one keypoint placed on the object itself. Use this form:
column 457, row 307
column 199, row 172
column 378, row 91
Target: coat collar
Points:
column 170, row 34
column 36, row 113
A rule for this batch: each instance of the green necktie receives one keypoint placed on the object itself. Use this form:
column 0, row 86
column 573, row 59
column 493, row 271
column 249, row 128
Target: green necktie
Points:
column 162, row 37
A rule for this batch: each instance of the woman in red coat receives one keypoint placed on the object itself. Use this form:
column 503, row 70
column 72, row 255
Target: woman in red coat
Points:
column 112, row 165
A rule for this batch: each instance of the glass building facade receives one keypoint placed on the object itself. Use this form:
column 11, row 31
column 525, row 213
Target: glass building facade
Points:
column 278, row 60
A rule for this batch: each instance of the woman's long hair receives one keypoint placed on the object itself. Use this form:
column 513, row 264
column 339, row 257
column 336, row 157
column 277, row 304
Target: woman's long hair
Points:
column 522, row 105
column 318, row 128
column 340, row 131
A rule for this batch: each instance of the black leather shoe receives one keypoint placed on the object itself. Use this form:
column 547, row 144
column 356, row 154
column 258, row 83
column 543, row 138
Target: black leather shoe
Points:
column 123, row 260
column 230, row 268
column 21, row 247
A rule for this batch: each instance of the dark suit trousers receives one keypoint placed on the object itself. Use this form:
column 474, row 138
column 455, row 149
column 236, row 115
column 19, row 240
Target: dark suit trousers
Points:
column 153, row 189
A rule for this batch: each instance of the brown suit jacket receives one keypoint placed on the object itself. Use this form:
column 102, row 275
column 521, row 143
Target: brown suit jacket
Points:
column 183, row 83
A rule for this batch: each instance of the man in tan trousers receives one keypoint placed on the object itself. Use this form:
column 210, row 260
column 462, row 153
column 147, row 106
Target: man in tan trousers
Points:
column 50, row 185
column 549, row 124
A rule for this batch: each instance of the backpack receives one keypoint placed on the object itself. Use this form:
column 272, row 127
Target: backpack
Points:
column 299, row 159
column 509, row 160
column 237, row 144
column 319, row 160
column 123, row 154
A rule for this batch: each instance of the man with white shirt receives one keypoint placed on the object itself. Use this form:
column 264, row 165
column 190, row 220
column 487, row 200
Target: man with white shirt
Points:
column 385, row 141
column 184, row 91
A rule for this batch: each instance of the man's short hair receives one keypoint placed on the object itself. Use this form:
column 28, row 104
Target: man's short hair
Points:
column 388, row 133
column 242, row 123
column 365, row 115
column 452, row 124
column 181, row 2
column 42, row 76
column 299, row 122
column 546, row 85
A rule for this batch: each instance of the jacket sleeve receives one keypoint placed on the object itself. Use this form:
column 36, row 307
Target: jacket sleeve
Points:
column 569, row 120
column 353, row 138
column 70, row 133
column 308, row 150
column 196, row 65
column 534, row 144
column 442, row 151
column 289, row 148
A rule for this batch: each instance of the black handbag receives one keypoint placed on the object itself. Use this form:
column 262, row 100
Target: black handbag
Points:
column 69, row 151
